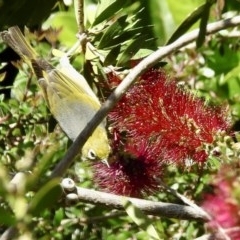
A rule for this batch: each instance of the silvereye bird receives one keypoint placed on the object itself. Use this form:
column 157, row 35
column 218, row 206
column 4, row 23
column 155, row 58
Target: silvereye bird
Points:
column 68, row 95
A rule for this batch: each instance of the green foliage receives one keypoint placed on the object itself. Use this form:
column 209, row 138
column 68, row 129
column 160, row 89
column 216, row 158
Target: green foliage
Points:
column 140, row 219
column 46, row 197
column 31, row 143
column 202, row 12
column 107, row 9
column 121, row 38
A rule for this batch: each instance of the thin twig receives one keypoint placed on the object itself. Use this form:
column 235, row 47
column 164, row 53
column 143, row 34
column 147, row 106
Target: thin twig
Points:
column 197, row 208
column 80, row 16
column 29, row 80
column 81, row 35
column 213, row 236
column 139, row 69
column 185, row 200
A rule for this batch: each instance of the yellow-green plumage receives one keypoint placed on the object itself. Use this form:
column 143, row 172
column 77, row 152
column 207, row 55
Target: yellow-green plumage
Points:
column 69, row 97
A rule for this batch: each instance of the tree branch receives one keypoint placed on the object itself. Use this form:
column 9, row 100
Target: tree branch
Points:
column 161, row 209
column 10, row 233
column 139, row 69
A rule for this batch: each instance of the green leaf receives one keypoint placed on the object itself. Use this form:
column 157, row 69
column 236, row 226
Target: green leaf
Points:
column 131, row 34
column 235, row 72
column 234, row 88
column 112, row 31
column 140, row 219
column 46, row 197
column 187, row 23
column 6, row 217
column 164, row 23
column 203, row 24
column 159, row 15
column 133, row 48
column 111, row 57
column 142, row 53
column 107, row 9
column 223, row 58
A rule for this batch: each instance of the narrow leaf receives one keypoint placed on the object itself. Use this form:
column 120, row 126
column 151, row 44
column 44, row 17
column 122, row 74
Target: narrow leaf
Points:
column 187, row 23
column 6, row 217
column 140, row 219
column 203, row 24
column 234, row 73
column 108, row 9
column 111, row 57
column 113, row 30
column 46, row 197
column 133, row 48
column 127, row 35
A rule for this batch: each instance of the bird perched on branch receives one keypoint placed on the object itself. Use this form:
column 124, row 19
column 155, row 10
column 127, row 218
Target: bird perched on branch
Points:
column 68, row 95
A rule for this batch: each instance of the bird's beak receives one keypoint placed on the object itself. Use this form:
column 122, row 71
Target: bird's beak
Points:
column 105, row 161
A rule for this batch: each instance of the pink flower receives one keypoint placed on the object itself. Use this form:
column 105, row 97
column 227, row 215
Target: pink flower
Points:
column 223, row 204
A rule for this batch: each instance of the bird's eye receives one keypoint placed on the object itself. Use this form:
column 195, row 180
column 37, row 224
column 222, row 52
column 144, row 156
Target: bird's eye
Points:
column 91, row 154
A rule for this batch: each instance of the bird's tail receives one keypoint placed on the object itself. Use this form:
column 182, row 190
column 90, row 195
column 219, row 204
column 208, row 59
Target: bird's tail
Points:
column 15, row 39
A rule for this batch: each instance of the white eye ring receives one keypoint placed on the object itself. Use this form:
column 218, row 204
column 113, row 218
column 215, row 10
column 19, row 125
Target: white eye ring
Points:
column 91, row 154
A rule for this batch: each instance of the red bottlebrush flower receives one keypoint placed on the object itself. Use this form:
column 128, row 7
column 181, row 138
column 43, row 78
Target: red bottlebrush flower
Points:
column 224, row 204
column 135, row 171
column 155, row 108
column 154, row 123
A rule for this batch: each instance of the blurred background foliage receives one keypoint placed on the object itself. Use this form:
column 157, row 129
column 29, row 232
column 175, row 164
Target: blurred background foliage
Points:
column 31, row 142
